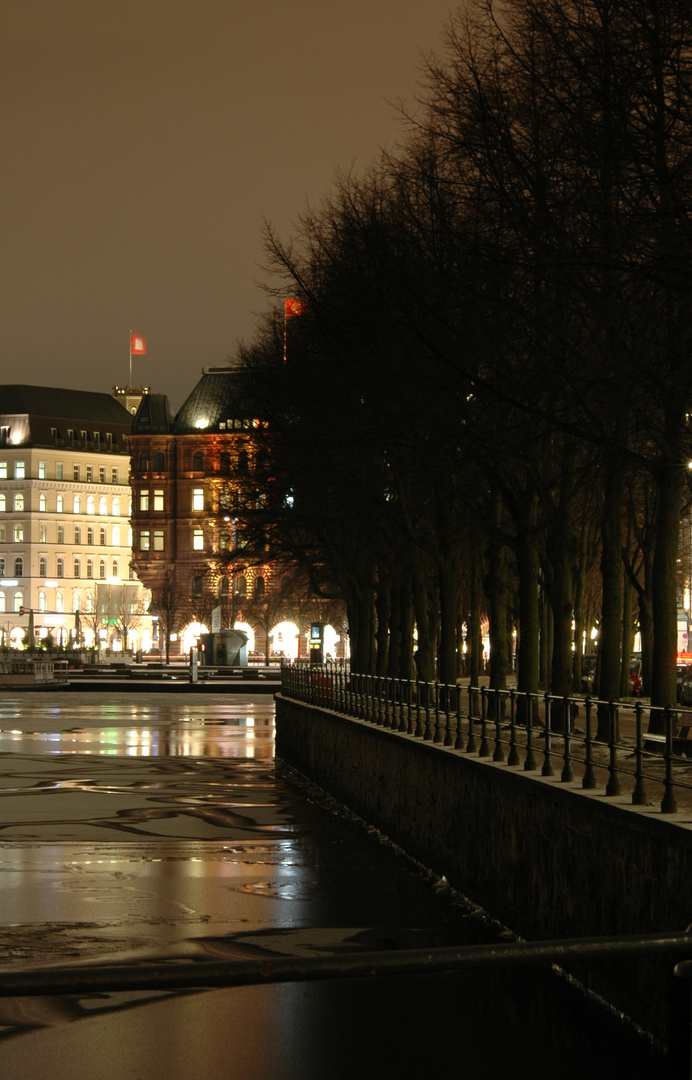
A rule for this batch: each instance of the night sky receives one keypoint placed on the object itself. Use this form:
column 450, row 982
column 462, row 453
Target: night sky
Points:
column 144, row 141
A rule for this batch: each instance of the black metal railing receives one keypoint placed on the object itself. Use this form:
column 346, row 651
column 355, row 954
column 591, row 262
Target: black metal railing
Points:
column 599, row 744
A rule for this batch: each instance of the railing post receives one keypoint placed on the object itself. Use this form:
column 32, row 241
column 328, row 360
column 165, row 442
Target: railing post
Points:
column 530, row 759
column 471, row 744
column 589, row 777
column 513, row 758
column 458, row 742
column 613, row 785
column 427, row 734
column 484, row 750
column 639, row 793
column 567, row 772
column 418, row 733
column 547, row 769
column 498, row 752
column 668, row 803
column 437, row 734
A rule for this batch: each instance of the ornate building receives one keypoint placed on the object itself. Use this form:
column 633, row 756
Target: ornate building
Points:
column 186, row 476
column 64, row 519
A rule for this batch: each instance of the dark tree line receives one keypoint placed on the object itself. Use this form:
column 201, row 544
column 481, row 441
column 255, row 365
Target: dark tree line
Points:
column 483, row 408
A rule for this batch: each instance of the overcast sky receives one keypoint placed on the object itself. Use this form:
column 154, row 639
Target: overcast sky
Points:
column 143, row 142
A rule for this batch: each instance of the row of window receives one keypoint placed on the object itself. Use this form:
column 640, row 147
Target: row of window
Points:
column 157, row 463
column 18, row 529
column 90, row 566
column 19, row 472
column 19, row 501
column 240, row 587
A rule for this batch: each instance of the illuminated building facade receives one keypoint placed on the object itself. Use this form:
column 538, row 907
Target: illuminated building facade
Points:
column 64, row 518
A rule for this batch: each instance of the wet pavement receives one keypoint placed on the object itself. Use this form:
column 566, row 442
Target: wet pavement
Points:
column 159, row 827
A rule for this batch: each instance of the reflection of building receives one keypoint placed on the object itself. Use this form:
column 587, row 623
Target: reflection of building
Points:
column 64, row 506
column 187, row 477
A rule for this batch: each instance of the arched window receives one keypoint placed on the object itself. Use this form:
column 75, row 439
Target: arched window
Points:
column 18, row 500
column 18, row 601
column 241, row 587
column 2, row 601
column 223, row 587
column 18, row 532
column 42, row 502
column 75, row 599
column 286, row 586
column 259, row 588
column 42, row 566
column 78, row 534
column 42, row 601
column 90, row 603
column 242, row 461
column 90, row 536
column 59, row 504
column 59, row 602
column 3, row 503
column 197, row 587
column 102, row 537
column 197, row 462
column 225, row 464
column 76, row 505
column 102, row 568
column 61, row 534
column 116, row 507
column 115, row 537
column 159, row 462
column 103, row 505
column 43, row 533
column 76, row 568
column 60, row 567
column 19, row 567
column 90, row 568
column 144, row 461
column 90, row 504
column 116, row 568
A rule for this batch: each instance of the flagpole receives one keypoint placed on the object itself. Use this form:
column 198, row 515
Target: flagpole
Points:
column 130, row 382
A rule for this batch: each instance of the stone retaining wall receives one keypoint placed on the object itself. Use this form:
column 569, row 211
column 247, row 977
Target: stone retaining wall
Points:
column 547, row 859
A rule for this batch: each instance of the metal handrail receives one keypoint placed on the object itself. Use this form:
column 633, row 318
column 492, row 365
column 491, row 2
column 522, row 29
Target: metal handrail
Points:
column 190, row 974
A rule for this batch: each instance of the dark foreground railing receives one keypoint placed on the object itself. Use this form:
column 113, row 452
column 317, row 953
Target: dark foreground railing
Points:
column 602, row 744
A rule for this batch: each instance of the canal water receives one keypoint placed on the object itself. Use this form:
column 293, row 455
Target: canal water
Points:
column 140, row 827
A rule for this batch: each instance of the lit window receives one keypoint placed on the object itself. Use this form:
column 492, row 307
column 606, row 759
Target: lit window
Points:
column 59, row 602
column 42, row 470
column 2, row 566
column 61, row 534
column 198, row 499
column 76, row 505
column 42, row 566
column 59, row 567
column 42, row 601
column 158, row 540
column 116, row 507
column 90, row 568
column 114, row 476
column 3, row 470
column 75, row 472
column 2, row 601
column 158, row 499
column 116, row 568
column 18, row 501
column 90, row 507
column 59, row 470
column 76, row 569
column 59, row 504
column 103, row 505
column 18, row 533
column 42, row 503
column 18, row 601
column 144, row 499
column 90, row 603
column 102, row 468
column 90, row 536
column 43, row 534
column 102, row 568
column 19, row 470
column 19, row 567
column 198, row 540
column 75, row 599
column 144, row 540
column 116, row 536
column 3, row 503
column 89, row 473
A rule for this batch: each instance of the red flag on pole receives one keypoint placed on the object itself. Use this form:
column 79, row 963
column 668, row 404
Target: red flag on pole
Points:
column 138, row 345
column 294, row 307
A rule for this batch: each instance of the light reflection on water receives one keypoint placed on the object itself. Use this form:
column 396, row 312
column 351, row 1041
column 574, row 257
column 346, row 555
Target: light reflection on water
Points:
column 160, row 726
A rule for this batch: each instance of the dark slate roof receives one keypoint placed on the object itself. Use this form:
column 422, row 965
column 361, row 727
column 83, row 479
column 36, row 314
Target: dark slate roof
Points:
column 31, row 411
column 58, row 403
column 153, row 417
column 219, row 397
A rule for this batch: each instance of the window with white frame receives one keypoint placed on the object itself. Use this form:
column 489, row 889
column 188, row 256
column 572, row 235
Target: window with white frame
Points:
column 2, row 601
column 77, row 534
column 59, row 470
column 115, row 536
column 144, row 540
column 2, row 565
column 75, row 599
column 144, row 499
column 90, row 506
column 60, row 504
column 102, row 568
column 116, row 507
column 18, row 533
column 103, row 505
column 60, row 537
column 89, row 473
column 3, row 502
column 198, row 498
column 42, row 470
column 76, row 505
column 76, row 568
column 19, row 470
column 43, row 533
column 114, row 476
column 18, row 601
column 158, row 499
column 158, row 539
column 102, row 537
column 43, row 566
column 116, row 568
column 18, row 500
column 59, row 567
column 90, row 536
column 75, row 472
column 19, row 567
column 90, row 568
column 42, row 606
column 59, row 602
column 3, row 470
column 43, row 502
column 198, row 540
